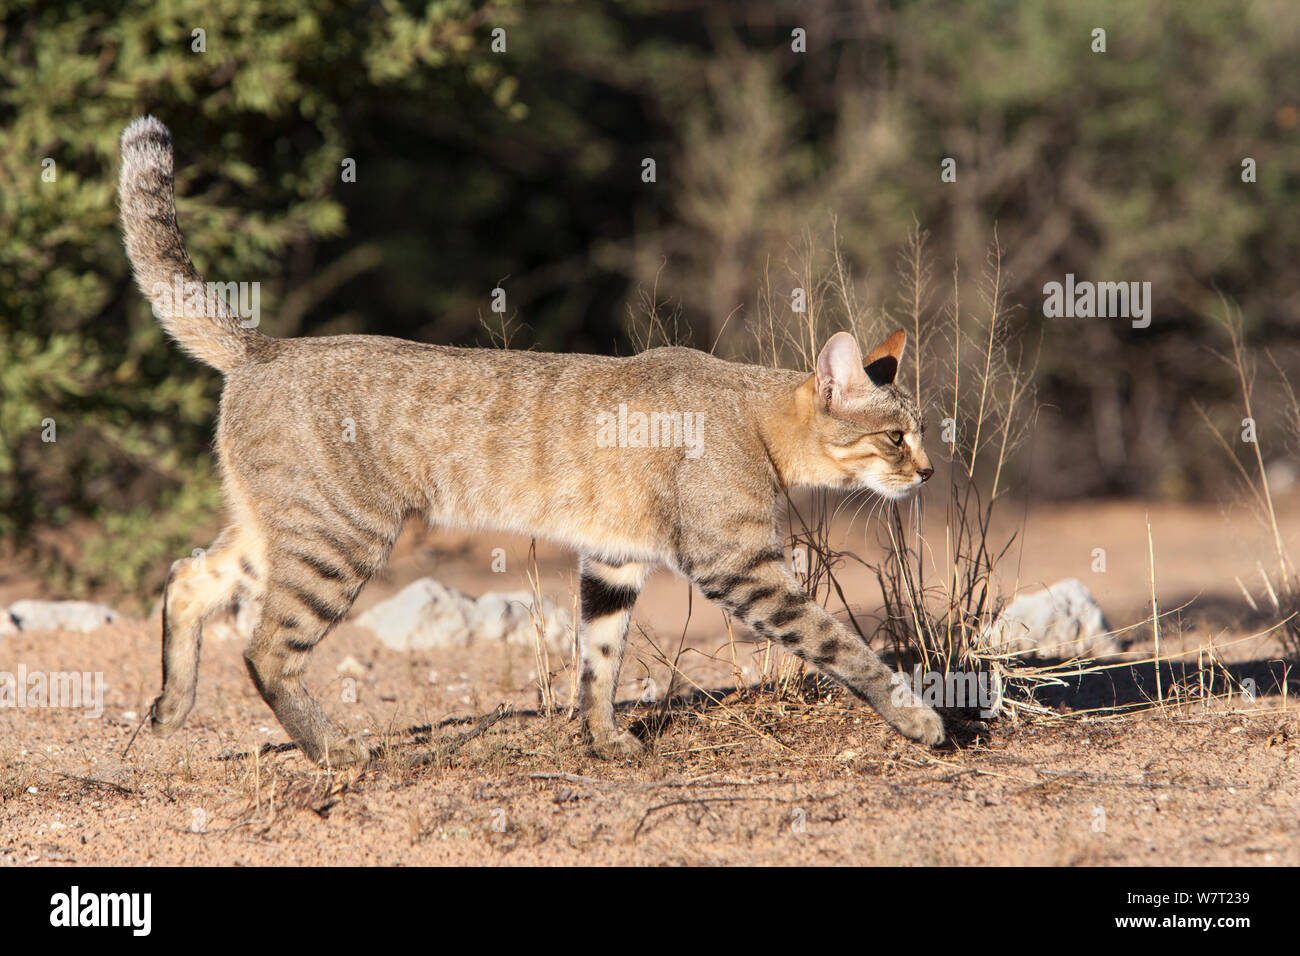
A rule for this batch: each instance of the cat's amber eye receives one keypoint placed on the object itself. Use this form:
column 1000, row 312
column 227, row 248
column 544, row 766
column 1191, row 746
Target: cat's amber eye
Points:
column 895, row 437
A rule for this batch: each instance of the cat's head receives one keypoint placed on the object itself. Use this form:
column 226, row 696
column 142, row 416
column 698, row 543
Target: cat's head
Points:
column 865, row 430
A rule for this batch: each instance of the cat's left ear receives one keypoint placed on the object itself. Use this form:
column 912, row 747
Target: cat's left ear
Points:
column 882, row 364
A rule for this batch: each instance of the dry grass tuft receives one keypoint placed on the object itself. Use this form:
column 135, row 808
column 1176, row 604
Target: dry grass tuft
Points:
column 1281, row 583
column 944, row 583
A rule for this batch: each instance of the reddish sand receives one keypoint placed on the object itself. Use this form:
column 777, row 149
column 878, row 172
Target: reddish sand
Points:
column 810, row 777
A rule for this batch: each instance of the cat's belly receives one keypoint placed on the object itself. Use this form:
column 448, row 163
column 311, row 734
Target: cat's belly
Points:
column 612, row 529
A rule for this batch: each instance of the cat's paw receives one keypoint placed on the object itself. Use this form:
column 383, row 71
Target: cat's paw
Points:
column 166, row 716
column 346, row 753
column 618, row 746
column 921, row 723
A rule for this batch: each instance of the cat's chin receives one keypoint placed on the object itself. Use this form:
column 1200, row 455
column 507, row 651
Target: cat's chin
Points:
column 893, row 492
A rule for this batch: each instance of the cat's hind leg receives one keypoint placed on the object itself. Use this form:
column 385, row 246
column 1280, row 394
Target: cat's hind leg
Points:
column 312, row 580
column 196, row 587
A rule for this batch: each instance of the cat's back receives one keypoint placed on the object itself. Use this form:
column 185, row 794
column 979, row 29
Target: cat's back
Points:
column 355, row 369
column 686, row 372
column 303, row 390
column 362, row 365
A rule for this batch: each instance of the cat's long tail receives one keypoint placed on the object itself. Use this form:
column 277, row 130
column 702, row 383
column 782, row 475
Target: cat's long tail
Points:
column 198, row 319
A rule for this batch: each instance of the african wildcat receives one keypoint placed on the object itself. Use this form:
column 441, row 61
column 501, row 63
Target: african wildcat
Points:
column 326, row 445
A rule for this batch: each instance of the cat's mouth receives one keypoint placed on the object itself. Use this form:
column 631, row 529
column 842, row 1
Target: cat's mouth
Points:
column 895, row 491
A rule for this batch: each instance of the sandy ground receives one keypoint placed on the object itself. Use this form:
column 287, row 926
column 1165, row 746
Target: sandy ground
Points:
column 800, row 776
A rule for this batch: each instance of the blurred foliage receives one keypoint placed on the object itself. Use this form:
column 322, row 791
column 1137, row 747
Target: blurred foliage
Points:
column 523, row 168
column 262, row 118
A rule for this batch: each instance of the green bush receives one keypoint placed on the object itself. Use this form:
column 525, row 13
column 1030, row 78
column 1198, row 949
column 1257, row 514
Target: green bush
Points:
column 262, row 118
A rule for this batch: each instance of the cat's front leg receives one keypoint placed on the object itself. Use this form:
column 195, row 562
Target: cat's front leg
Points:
column 608, row 592
column 761, row 592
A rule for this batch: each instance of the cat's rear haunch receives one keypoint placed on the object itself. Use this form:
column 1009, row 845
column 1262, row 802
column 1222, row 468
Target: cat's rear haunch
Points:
column 670, row 458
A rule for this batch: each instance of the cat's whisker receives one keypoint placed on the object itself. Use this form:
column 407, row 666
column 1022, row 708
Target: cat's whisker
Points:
column 849, row 498
column 875, row 505
column 858, row 497
column 839, row 507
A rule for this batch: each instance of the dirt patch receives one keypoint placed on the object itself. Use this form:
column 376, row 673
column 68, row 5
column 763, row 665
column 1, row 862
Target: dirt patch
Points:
column 734, row 776
column 742, row 778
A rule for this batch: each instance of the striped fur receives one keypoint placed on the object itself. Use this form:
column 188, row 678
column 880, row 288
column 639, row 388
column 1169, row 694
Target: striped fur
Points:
column 328, row 445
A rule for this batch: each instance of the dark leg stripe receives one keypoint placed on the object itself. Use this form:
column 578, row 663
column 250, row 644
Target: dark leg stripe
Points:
column 709, row 582
column 695, row 566
column 756, row 595
column 734, row 581
column 310, row 506
column 828, row 651
column 722, row 585
column 323, row 610
column 352, row 554
column 299, row 645
column 600, row 598
column 322, row 568
column 770, row 556
column 247, row 567
column 784, row 616
column 361, row 528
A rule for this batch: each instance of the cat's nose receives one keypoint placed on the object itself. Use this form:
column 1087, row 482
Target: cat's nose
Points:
column 925, row 473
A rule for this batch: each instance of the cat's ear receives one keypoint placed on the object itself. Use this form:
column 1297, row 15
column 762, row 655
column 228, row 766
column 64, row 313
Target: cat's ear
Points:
column 839, row 368
column 882, row 364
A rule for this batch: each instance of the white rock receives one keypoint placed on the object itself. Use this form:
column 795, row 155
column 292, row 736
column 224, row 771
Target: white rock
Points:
column 61, row 615
column 423, row 614
column 508, row 616
column 1062, row 621
column 493, row 614
column 428, row 614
